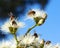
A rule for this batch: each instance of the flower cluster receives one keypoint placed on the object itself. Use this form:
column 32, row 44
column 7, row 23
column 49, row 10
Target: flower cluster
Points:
column 27, row 40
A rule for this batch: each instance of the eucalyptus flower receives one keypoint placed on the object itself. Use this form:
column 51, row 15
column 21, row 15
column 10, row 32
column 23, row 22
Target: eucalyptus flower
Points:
column 38, row 15
column 8, row 44
column 42, row 43
column 52, row 45
column 12, row 25
column 49, row 46
column 28, row 39
column 36, row 40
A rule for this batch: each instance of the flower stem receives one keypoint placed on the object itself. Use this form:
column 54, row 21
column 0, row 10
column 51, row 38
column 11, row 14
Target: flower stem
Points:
column 30, row 29
column 16, row 38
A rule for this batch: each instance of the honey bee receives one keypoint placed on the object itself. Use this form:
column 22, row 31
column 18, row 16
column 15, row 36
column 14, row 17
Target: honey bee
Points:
column 11, row 16
column 31, row 12
column 14, row 23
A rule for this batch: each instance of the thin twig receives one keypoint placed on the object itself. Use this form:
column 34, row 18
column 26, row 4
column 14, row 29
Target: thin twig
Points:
column 30, row 29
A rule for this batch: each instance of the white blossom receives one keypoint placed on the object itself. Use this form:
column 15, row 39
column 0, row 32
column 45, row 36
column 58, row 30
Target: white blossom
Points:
column 38, row 13
column 27, row 39
column 6, row 25
column 8, row 44
column 52, row 45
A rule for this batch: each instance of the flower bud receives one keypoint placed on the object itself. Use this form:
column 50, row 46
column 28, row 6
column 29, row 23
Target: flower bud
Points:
column 12, row 30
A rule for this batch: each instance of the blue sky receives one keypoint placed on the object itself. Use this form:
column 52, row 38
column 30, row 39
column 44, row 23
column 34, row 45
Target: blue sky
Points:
column 50, row 30
column 52, row 24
